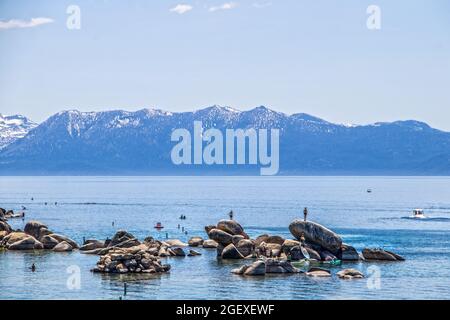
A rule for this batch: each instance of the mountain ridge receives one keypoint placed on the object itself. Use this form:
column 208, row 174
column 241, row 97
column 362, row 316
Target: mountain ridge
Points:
column 138, row 142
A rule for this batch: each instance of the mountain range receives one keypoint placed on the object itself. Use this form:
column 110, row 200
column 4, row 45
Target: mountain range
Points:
column 128, row 143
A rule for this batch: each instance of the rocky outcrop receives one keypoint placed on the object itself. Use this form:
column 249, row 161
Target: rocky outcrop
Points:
column 348, row 274
column 275, row 239
column 381, row 255
column 121, row 261
column 317, row 234
column 4, row 226
column 195, row 242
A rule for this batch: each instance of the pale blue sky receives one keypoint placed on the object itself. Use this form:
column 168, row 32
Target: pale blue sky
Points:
column 294, row 56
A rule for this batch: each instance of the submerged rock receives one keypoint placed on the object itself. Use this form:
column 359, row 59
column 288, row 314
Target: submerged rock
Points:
column 381, row 255
column 318, row 272
column 316, row 233
column 193, row 253
column 350, row 274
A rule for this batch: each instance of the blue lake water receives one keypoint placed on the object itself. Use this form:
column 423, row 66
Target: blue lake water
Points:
column 87, row 206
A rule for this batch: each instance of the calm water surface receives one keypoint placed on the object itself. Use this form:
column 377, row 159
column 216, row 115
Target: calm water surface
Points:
column 87, row 206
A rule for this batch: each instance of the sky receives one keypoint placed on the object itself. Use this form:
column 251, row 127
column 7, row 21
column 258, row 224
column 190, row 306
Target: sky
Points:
column 317, row 57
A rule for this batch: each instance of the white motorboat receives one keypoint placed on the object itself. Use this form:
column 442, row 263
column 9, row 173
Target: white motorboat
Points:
column 418, row 214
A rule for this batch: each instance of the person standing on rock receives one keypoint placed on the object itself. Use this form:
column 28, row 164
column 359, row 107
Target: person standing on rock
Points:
column 305, row 213
column 231, row 214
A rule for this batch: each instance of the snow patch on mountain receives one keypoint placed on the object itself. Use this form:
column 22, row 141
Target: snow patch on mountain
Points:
column 14, row 127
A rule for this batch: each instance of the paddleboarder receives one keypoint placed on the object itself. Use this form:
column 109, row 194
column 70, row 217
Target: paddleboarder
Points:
column 305, row 213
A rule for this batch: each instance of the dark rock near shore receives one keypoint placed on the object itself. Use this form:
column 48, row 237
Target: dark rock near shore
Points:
column 381, row 255
column 92, row 245
column 318, row 272
column 348, row 274
column 4, row 226
column 348, row 253
column 316, row 233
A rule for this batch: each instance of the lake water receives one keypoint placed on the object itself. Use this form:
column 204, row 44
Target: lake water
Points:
column 87, row 206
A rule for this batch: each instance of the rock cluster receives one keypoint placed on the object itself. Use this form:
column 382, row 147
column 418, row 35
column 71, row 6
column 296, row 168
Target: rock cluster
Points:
column 36, row 236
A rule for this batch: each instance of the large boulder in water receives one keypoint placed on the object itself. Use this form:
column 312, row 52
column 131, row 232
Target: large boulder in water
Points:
column 317, row 234
column 195, row 241
column 220, row 236
column 381, row 255
column 348, row 253
column 36, row 229
column 231, row 227
column 257, row 268
column 231, row 252
column 49, row 242
column 246, row 247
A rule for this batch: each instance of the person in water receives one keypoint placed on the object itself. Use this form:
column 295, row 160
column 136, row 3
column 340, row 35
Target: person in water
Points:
column 305, row 213
column 33, row 267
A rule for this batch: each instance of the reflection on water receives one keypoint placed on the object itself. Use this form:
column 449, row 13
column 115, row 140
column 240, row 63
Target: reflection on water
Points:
column 88, row 206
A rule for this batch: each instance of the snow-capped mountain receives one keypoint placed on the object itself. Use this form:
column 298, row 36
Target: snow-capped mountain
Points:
column 122, row 142
column 13, row 128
